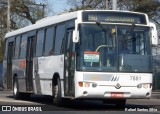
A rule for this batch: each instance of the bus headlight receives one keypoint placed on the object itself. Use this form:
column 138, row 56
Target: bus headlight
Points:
column 87, row 84
column 94, row 85
column 139, row 86
column 145, row 86
column 84, row 84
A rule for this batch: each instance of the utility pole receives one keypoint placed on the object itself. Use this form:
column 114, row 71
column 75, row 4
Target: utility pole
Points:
column 43, row 14
column 8, row 16
column 107, row 5
column 114, row 4
column 38, row 5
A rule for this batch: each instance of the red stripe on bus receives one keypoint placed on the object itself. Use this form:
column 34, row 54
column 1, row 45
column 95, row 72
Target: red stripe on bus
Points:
column 91, row 52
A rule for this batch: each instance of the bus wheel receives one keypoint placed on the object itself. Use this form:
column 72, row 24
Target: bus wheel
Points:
column 16, row 93
column 57, row 99
column 121, row 103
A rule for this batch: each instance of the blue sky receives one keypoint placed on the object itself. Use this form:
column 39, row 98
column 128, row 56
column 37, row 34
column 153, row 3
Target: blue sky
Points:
column 57, row 6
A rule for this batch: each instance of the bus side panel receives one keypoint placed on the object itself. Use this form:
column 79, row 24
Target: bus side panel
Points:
column 34, row 74
column 4, row 74
column 19, row 67
column 47, row 67
column 36, row 79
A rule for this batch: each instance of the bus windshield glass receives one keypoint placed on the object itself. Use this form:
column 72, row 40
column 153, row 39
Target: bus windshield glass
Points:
column 113, row 48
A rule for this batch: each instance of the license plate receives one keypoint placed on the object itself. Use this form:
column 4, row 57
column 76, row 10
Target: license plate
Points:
column 117, row 95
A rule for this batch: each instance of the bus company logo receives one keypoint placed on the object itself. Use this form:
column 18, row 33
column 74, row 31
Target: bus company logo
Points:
column 114, row 78
column 118, row 86
column 6, row 108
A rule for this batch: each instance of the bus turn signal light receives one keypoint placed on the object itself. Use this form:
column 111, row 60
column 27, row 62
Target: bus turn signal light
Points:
column 80, row 84
column 84, row 84
column 87, row 84
column 145, row 85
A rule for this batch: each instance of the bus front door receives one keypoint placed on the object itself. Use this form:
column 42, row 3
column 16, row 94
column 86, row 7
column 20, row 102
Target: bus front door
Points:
column 9, row 64
column 29, row 64
column 69, row 64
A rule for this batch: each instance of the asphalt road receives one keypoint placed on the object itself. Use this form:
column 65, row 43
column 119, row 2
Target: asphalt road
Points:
column 44, row 103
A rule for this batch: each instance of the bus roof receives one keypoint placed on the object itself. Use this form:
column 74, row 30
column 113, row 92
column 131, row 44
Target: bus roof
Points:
column 56, row 19
column 44, row 22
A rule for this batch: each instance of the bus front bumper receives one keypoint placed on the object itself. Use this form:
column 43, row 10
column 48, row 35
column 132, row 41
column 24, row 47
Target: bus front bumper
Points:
column 104, row 92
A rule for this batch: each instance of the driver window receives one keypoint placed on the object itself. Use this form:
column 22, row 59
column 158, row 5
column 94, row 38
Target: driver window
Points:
column 90, row 42
column 99, row 39
column 140, row 45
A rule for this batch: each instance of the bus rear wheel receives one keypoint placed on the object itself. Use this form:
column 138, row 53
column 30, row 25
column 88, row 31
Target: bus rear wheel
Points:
column 57, row 98
column 16, row 93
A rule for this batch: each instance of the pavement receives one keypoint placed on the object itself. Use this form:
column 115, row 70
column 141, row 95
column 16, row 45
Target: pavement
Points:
column 1, row 88
column 155, row 95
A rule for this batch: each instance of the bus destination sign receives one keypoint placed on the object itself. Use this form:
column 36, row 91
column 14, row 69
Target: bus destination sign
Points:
column 114, row 17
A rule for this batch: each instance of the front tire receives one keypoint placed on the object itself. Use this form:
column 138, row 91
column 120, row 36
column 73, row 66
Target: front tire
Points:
column 57, row 97
column 16, row 93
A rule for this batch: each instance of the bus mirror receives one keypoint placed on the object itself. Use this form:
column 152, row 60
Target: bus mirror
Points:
column 75, row 36
column 154, row 35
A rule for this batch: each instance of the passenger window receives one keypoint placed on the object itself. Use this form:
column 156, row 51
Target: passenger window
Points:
column 17, row 47
column 60, row 32
column 23, row 46
column 49, row 42
column 39, row 44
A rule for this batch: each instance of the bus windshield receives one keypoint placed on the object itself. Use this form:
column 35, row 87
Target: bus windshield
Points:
column 116, row 48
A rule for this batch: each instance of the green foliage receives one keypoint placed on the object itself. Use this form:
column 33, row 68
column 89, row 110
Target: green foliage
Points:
column 147, row 6
column 150, row 7
column 23, row 13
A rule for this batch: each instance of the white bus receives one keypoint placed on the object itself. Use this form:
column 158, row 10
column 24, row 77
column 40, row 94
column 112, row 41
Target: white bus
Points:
column 90, row 54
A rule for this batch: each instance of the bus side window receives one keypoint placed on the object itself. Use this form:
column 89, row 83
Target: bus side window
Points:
column 17, row 47
column 60, row 32
column 39, row 43
column 23, row 46
column 49, row 41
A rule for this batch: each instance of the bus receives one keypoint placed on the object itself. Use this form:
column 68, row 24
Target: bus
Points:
column 89, row 54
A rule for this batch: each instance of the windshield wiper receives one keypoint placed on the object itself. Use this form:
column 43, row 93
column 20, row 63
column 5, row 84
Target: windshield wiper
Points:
column 101, row 26
column 132, row 27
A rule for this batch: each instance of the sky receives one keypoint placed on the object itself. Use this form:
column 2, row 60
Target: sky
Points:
column 58, row 6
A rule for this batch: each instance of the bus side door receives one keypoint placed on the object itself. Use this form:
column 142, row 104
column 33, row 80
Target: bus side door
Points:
column 9, row 64
column 29, row 64
column 69, row 65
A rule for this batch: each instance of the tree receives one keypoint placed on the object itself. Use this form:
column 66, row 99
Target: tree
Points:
column 147, row 6
column 150, row 7
column 87, row 4
column 23, row 13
